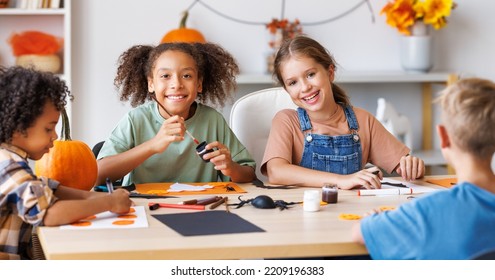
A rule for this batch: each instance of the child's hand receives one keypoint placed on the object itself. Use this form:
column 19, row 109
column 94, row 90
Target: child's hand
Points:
column 120, row 202
column 220, row 157
column 172, row 130
column 411, row 168
column 368, row 178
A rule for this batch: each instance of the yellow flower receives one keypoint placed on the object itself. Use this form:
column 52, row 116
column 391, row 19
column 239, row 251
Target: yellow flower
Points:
column 434, row 12
column 402, row 14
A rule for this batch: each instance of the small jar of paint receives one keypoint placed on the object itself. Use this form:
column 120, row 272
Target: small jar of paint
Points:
column 311, row 201
column 201, row 150
column 329, row 193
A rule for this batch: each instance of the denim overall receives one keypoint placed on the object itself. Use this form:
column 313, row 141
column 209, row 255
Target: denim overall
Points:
column 336, row 154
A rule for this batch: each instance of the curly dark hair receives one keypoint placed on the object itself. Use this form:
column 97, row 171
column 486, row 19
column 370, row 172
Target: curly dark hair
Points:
column 23, row 92
column 216, row 67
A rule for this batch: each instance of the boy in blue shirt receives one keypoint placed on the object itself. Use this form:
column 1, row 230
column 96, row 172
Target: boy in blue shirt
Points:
column 458, row 223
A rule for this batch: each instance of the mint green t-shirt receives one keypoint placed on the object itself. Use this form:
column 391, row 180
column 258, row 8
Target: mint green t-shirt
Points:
column 179, row 162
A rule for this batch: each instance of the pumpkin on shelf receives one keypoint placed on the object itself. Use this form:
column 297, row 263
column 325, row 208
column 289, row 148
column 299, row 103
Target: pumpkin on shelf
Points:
column 71, row 162
column 183, row 34
column 38, row 50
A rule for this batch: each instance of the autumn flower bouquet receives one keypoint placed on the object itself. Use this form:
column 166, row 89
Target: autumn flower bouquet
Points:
column 404, row 14
column 280, row 30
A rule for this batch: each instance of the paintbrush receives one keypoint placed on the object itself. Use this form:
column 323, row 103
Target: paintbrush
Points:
column 187, row 132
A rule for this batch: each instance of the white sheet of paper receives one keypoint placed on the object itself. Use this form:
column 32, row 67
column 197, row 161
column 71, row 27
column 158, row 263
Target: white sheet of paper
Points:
column 416, row 189
column 104, row 220
column 178, row 187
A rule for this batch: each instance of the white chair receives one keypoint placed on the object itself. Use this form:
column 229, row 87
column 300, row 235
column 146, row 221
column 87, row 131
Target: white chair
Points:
column 251, row 119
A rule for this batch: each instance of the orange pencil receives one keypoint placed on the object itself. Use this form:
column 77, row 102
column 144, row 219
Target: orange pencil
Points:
column 154, row 206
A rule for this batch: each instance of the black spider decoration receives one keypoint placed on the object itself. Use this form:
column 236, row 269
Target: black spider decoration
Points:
column 264, row 202
column 229, row 188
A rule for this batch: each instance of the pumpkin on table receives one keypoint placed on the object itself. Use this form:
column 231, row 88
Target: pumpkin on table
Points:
column 183, row 34
column 71, row 162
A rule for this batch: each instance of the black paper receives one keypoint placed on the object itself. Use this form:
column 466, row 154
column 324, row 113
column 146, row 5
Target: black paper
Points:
column 207, row 223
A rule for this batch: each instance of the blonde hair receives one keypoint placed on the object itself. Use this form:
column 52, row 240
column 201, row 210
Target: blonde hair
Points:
column 468, row 113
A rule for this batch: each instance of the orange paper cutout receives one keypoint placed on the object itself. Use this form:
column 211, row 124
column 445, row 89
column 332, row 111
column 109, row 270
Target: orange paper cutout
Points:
column 92, row 217
column 345, row 216
column 123, row 222
column 162, row 188
column 446, row 183
column 81, row 224
column 386, row 208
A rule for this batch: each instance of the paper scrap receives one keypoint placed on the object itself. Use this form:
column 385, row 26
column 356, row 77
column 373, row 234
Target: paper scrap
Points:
column 416, row 189
column 106, row 220
column 178, row 187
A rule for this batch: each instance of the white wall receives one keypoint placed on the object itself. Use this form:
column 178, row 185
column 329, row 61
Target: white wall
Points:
column 102, row 30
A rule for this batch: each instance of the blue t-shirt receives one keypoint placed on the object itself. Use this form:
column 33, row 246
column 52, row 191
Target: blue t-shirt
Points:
column 454, row 224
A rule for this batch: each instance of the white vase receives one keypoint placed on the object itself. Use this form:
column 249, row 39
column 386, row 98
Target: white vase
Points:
column 416, row 49
column 416, row 53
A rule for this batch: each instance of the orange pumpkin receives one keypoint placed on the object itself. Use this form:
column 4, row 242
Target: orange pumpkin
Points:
column 183, row 34
column 70, row 162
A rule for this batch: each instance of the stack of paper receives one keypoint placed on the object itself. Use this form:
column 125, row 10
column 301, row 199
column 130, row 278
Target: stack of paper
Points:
column 411, row 188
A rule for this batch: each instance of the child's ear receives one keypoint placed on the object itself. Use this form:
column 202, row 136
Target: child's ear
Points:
column 331, row 72
column 444, row 136
column 200, row 86
column 151, row 87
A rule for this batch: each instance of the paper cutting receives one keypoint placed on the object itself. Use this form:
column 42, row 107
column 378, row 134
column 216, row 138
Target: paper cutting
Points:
column 179, row 187
column 108, row 219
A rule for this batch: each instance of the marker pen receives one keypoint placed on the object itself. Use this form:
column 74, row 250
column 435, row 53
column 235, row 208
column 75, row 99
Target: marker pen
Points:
column 397, row 191
column 154, row 206
column 109, row 186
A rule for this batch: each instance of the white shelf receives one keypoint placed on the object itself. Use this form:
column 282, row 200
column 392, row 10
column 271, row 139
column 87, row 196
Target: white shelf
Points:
column 55, row 21
column 360, row 77
column 391, row 77
column 28, row 12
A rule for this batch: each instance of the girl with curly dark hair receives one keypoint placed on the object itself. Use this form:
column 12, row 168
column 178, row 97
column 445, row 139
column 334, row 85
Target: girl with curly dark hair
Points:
column 170, row 84
column 30, row 106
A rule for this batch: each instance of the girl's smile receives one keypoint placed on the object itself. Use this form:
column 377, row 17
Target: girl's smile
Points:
column 313, row 98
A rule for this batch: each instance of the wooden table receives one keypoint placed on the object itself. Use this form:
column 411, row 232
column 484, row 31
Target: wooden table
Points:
column 291, row 233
